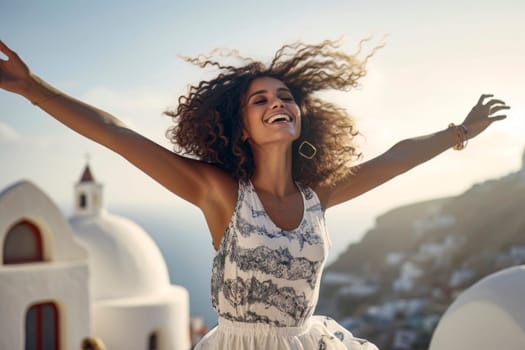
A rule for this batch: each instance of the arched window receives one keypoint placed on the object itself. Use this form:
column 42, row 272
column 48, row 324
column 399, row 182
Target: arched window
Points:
column 153, row 341
column 42, row 332
column 82, row 201
column 23, row 244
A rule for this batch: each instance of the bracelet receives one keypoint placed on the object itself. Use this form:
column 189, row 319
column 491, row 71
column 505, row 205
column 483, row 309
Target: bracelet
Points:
column 461, row 136
column 45, row 99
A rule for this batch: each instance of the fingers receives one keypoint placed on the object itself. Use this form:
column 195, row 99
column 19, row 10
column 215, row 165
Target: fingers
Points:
column 497, row 117
column 497, row 109
column 491, row 102
column 3, row 47
column 6, row 50
column 494, row 102
column 482, row 97
column 494, row 105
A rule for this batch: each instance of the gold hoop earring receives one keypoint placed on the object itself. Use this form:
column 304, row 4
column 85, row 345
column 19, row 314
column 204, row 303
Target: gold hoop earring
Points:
column 307, row 150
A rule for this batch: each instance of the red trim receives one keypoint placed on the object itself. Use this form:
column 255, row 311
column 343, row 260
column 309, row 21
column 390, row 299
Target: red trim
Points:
column 57, row 324
column 39, row 256
column 39, row 319
column 38, row 316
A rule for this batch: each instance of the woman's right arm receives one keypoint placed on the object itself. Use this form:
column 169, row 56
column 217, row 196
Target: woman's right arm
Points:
column 192, row 180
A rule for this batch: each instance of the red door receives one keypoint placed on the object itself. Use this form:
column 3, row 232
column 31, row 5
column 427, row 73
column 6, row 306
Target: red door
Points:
column 42, row 331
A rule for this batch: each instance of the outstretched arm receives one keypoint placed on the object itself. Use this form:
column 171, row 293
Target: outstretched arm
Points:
column 409, row 153
column 190, row 179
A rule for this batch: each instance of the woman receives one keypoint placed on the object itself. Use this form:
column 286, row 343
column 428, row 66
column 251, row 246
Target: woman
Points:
column 266, row 159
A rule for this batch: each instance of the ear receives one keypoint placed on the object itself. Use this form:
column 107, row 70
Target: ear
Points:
column 244, row 135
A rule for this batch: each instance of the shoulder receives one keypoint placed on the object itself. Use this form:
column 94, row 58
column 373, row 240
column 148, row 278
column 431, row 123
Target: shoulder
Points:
column 332, row 193
column 219, row 203
column 222, row 187
column 323, row 193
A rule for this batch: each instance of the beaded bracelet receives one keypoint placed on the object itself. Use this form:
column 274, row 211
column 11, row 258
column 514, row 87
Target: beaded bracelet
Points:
column 461, row 135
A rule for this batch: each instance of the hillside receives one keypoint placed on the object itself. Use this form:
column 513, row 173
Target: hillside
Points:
column 489, row 217
column 394, row 285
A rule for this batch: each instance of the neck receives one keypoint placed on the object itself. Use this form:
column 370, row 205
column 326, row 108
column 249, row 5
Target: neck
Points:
column 273, row 170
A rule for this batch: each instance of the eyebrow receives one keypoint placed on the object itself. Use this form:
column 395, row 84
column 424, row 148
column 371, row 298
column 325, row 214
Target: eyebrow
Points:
column 258, row 92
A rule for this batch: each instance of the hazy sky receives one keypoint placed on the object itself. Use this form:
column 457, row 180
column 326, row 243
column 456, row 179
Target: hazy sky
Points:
column 122, row 56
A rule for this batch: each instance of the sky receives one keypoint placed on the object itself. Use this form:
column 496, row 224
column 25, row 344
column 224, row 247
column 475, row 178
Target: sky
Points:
column 123, row 56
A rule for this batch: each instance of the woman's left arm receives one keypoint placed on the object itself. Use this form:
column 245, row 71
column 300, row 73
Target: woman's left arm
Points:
column 409, row 153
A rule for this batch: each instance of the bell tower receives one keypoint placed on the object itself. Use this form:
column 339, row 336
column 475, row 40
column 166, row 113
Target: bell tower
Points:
column 88, row 194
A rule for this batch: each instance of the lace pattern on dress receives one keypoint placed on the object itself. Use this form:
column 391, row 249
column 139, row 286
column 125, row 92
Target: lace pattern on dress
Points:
column 242, row 290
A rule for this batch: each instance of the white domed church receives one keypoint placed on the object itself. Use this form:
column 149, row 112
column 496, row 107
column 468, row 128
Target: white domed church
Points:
column 96, row 275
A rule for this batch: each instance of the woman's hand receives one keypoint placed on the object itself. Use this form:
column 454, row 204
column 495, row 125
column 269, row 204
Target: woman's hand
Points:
column 482, row 115
column 15, row 76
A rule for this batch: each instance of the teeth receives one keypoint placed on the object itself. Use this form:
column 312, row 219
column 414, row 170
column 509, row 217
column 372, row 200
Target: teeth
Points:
column 279, row 118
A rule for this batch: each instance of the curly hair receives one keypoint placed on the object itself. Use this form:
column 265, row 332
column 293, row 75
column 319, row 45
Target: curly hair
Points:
column 208, row 124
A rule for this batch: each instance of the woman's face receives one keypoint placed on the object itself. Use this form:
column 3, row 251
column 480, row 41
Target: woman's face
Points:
column 270, row 113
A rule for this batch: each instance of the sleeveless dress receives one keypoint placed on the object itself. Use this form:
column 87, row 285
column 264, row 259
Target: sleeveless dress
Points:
column 265, row 282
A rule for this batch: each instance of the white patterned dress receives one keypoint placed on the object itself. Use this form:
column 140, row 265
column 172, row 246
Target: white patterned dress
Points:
column 265, row 282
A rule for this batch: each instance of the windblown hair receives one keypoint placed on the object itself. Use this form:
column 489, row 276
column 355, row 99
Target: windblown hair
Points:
column 208, row 123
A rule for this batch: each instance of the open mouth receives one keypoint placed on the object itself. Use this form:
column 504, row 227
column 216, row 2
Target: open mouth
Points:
column 279, row 118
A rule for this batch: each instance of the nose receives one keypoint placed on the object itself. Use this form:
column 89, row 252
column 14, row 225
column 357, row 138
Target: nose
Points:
column 277, row 103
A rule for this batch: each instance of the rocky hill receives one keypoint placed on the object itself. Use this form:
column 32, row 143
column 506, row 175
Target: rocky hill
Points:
column 396, row 282
column 488, row 218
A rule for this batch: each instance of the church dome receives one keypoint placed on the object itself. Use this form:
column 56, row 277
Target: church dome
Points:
column 488, row 315
column 123, row 259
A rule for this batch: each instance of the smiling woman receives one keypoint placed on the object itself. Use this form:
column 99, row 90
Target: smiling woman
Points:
column 269, row 113
column 263, row 158
column 209, row 126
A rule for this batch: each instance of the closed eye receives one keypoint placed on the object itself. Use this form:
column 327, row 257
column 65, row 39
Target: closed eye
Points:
column 287, row 99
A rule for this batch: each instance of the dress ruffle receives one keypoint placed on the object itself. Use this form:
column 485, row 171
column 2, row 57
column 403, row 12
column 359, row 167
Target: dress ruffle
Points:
column 318, row 333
